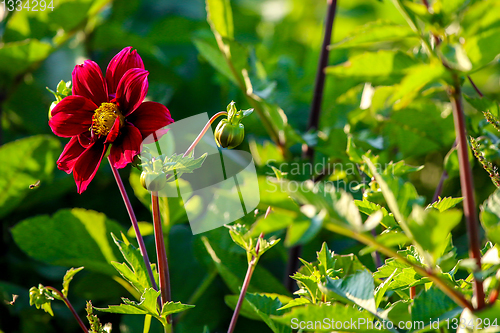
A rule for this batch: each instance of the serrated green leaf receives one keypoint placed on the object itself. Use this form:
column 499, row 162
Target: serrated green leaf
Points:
column 444, row 204
column 295, row 302
column 368, row 208
column 431, row 229
column 174, row 307
column 326, row 259
column 147, row 305
column 68, row 277
column 265, row 307
column 357, row 288
column 135, row 272
column 382, row 288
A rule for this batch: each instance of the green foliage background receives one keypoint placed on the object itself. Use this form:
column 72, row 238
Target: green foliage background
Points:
column 282, row 37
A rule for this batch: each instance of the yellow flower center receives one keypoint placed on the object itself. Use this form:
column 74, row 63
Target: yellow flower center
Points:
column 104, row 118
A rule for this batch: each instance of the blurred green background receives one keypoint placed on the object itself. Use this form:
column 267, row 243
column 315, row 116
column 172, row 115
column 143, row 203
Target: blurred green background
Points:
column 38, row 49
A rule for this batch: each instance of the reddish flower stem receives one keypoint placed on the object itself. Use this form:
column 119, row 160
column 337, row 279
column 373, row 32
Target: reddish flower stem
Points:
column 251, row 267
column 467, row 185
column 314, row 116
column 475, row 87
column 203, row 131
column 413, row 292
column 135, row 225
column 161, row 253
column 70, row 307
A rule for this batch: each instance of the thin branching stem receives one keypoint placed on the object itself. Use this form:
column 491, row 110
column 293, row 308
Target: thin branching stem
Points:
column 135, row 225
column 251, row 267
column 70, row 307
column 454, row 294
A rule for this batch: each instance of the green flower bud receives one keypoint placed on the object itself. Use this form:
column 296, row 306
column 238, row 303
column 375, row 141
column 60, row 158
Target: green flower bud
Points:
column 229, row 135
column 152, row 181
column 230, row 132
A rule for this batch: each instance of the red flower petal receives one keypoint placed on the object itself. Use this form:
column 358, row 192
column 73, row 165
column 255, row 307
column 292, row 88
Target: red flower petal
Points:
column 150, row 117
column 122, row 62
column 87, row 164
column 126, row 146
column 70, row 154
column 88, row 82
column 85, row 139
column 113, row 133
column 72, row 116
column 131, row 90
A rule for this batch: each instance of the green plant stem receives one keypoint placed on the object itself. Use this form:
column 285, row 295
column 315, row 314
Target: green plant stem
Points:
column 467, row 185
column 70, row 307
column 455, row 295
column 251, row 267
column 135, row 225
column 161, row 255
column 203, row 131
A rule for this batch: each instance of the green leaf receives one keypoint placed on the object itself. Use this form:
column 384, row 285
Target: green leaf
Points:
column 24, row 162
column 135, row 272
column 376, row 32
column 18, row 57
column 212, row 54
column 380, row 68
column 220, row 17
column 416, row 79
column 483, row 48
column 295, row 302
column 326, row 259
column 483, row 104
column 389, row 238
column 431, row 229
column 72, row 237
column 265, row 307
column 368, row 208
column 444, row 204
column 382, row 288
column 147, row 305
column 431, row 304
column 357, row 288
column 70, row 273
column 174, row 307
column 490, row 217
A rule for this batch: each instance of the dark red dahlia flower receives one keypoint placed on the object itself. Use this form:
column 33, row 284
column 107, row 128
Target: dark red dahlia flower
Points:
column 102, row 112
